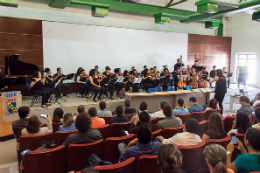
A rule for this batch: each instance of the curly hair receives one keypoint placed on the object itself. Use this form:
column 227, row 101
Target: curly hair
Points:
column 83, row 122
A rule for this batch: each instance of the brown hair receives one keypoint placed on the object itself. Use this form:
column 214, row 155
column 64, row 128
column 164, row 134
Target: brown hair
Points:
column 67, row 120
column 216, row 156
column 33, row 124
column 216, row 125
column 219, row 73
column 170, row 159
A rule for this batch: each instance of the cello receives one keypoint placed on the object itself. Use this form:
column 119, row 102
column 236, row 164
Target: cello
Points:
column 193, row 84
column 201, row 82
column 181, row 83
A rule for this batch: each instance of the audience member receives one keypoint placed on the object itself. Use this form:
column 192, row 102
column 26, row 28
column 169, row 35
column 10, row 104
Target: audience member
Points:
column 23, row 113
column 128, row 109
column 103, row 111
column 169, row 121
column 84, row 134
column 257, row 115
column 68, row 123
column 80, row 109
column 213, row 104
column 120, row 118
column 142, row 117
column 216, row 129
column 169, row 159
column 194, row 106
column 245, row 105
column 256, row 101
column 143, row 144
column 187, row 137
column 247, row 161
column 33, row 126
column 142, row 107
column 181, row 109
column 57, row 115
column 160, row 112
column 240, row 124
column 96, row 122
column 216, row 159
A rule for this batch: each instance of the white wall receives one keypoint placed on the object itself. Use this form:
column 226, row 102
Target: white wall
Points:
column 70, row 46
column 245, row 35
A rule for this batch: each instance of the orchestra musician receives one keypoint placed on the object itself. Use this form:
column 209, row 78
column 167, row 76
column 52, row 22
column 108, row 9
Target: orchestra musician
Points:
column 77, row 73
column 175, row 74
column 225, row 73
column 37, row 88
column 165, row 81
column 145, row 67
column 107, row 81
column 212, row 74
column 205, row 74
column 126, row 83
column 62, row 85
column 132, row 70
column 116, row 85
column 81, row 83
column 196, row 65
column 96, row 70
column 136, row 86
column 156, row 71
column 95, row 85
column 153, row 78
column 179, row 63
column 146, row 80
column 45, row 86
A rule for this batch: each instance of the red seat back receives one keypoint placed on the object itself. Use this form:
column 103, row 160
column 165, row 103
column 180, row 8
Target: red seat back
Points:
column 171, row 131
column 107, row 118
column 199, row 116
column 78, row 154
column 156, row 120
column 127, row 166
column 236, row 152
column 55, row 126
column 104, row 131
column 228, row 122
column 203, row 126
column 156, row 133
column 183, row 117
column 147, row 164
column 129, row 115
column 223, row 142
column 50, row 160
column 210, row 111
column 111, row 152
column 61, row 136
column 116, row 128
column 191, row 156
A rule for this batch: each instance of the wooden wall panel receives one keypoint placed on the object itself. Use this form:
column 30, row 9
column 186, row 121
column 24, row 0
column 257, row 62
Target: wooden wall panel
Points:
column 209, row 50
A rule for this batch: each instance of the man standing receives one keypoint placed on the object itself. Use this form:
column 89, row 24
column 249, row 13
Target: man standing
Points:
column 196, row 65
column 179, row 63
column 212, row 74
column 61, row 85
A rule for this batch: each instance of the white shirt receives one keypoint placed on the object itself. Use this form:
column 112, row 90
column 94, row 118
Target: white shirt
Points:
column 257, row 126
column 184, row 138
column 232, row 131
column 256, row 102
column 158, row 114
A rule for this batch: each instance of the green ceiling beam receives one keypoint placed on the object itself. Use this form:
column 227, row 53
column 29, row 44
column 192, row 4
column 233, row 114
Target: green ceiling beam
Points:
column 207, row 8
column 256, row 16
column 59, row 3
column 99, row 12
column 216, row 2
column 242, row 7
column 9, row 3
column 220, row 30
column 170, row 3
column 211, row 25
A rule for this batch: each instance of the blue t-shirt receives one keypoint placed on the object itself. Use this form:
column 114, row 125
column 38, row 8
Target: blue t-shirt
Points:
column 195, row 108
column 180, row 111
column 71, row 127
column 246, row 163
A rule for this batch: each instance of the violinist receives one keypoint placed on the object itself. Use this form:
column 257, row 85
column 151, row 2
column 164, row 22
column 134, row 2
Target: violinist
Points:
column 96, row 70
column 116, row 85
column 145, row 67
column 136, row 86
column 132, row 70
column 193, row 71
column 127, row 83
column 153, row 78
column 108, row 85
column 77, row 73
column 146, row 80
column 156, row 71
column 165, row 81
column 119, row 72
column 81, row 83
column 94, row 85
column 176, row 74
column 179, row 63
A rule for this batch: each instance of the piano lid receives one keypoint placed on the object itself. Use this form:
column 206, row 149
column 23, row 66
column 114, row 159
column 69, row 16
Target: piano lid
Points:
column 13, row 66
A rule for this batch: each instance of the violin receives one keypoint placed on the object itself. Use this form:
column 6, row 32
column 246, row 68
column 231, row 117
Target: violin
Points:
column 193, row 82
column 86, row 76
column 167, row 74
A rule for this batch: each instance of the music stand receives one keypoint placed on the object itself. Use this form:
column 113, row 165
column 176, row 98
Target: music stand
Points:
column 56, row 84
column 137, row 80
column 229, row 74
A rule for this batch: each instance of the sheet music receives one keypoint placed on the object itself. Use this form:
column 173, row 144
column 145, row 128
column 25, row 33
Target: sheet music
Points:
column 59, row 81
column 119, row 79
column 205, row 90
column 137, row 80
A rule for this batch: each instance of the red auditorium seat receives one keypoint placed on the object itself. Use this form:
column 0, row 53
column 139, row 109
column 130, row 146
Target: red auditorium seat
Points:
column 111, row 152
column 129, row 115
column 203, row 126
column 107, row 118
column 147, row 164
column 50, row 160
column 228, row 122
column 127, row 166
column 171, row 131
column 191, row 156
column 116, row 128
column 210, row 111
column 183, row 117
column 78, row 154
column 32, row 142
column 156, row 133
column 199, row 116
column 104, row 131
column 55, row 126
column 61, row 136
column 155, row 121
column 223, row 142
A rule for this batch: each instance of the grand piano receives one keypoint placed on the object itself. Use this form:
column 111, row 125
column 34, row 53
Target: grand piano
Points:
column 16, row 72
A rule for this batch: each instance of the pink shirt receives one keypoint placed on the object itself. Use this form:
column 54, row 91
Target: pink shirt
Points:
column 184, row 138
column 97, row 122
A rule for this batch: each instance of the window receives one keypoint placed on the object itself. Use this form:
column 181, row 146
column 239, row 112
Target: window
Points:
column 249, row 61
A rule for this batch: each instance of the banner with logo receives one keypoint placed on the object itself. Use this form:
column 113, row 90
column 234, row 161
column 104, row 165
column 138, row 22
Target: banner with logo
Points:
column 11, row 101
